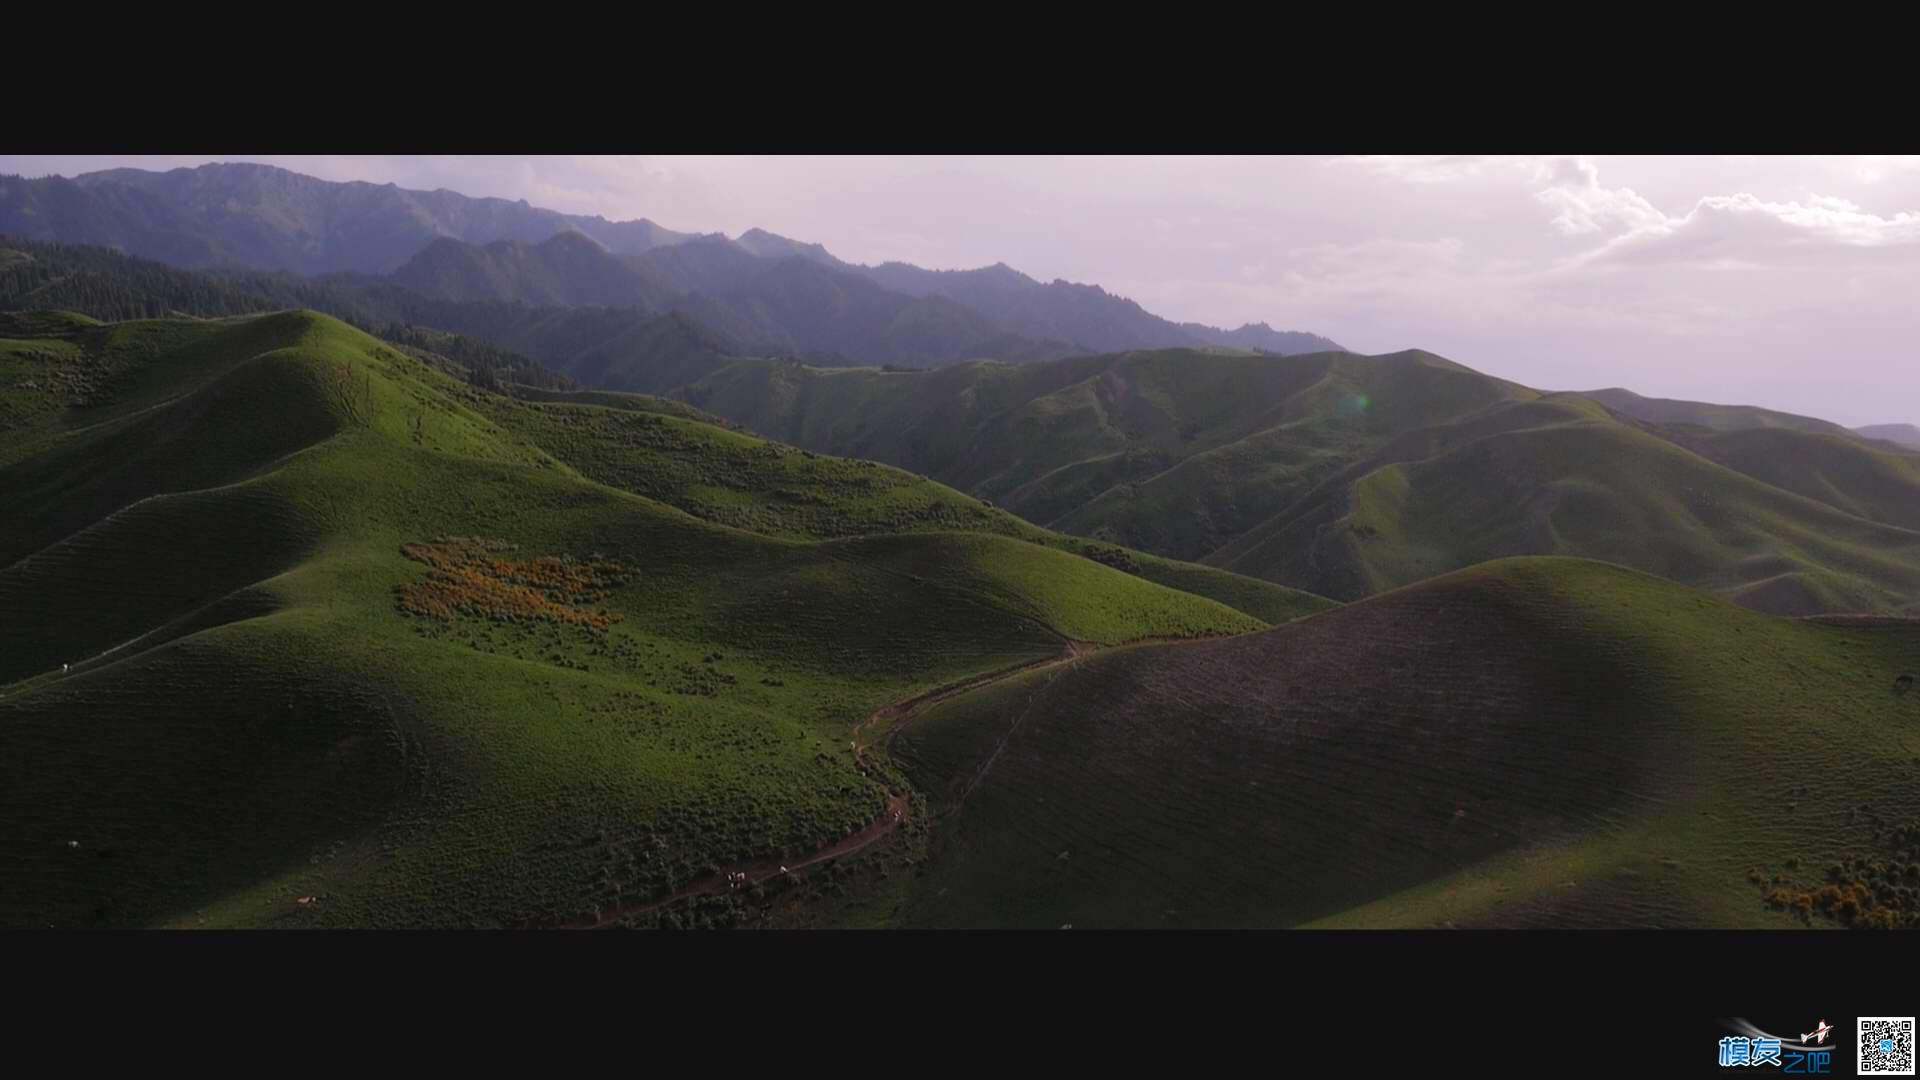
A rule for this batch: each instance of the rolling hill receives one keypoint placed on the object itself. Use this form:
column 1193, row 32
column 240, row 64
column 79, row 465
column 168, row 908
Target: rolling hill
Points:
column 668, row 451
column 1345, row 475
column 1521, row 480
column 296, row 615
column 1712, row 417
column 1840, row 471
column 1535, row 742
column 355, row 643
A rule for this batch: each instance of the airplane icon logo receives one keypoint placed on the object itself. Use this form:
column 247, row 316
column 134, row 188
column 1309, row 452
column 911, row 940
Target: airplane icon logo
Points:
column 1818, row 1034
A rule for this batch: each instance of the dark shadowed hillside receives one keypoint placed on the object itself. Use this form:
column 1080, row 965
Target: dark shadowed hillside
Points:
column 794, row 305
column 566, row 270
column 1529, row 743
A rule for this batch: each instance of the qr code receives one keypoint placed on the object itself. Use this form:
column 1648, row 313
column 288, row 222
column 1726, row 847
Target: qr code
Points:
column 1886, row 1046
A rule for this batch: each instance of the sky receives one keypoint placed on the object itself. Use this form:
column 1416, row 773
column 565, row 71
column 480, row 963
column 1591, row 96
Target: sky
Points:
column 1788, row 282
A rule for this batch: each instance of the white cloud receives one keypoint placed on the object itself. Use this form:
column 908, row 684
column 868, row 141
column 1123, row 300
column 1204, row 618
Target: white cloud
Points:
column 1746, row 229
column 1586, row 207
column 1834, row 202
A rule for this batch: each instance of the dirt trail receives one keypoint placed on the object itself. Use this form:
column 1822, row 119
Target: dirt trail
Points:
column 903, row 709
column 755, row 872
column 898, row 805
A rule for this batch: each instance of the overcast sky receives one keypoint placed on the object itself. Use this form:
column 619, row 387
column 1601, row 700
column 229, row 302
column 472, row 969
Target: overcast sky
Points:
column 1788, row 282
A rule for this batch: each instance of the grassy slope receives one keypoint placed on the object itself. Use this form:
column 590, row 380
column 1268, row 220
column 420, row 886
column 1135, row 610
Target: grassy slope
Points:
column 1531, row 742
column 1276, row 469
column 1841, row 472
column 651, row 447
column 1700, row 414
column 999, row 430
column 1550, row 477
column 250, row 718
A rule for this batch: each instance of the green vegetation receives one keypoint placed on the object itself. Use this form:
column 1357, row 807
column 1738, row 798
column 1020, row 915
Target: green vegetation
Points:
column 287, row 682
column 1591, row 488
column 668, row 451
column 1844, row 473
column 1666, row 412
column 1346, row 475
column 1531, row 742
column 1335, row 474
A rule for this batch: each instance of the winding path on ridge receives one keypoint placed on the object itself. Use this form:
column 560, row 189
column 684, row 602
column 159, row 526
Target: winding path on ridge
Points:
column 898, row 808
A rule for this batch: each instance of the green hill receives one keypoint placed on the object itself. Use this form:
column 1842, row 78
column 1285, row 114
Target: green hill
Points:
column 1572, row 484
column 1528, row 743
column 1874, row 484
column 1668, row 411
column 668, row 451
column 341, row 626
column 1344, row 475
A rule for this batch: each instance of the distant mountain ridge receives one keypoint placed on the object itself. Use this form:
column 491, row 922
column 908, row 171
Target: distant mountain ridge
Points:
column 1086, row 315
column 788, row 297
column 263, row 218
column 1901, row 434
column 568, row 269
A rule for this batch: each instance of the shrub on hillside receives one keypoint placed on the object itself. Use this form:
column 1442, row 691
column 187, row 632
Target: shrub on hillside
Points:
column 472, row 577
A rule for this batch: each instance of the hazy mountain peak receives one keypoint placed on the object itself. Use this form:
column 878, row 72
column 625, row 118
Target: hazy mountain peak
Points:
column 772, row 245
column 572, row 239
column 1907, row 435
column 244, row 214
column 255, row 216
